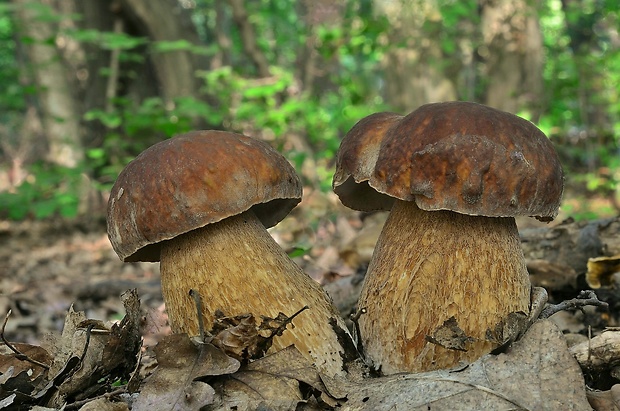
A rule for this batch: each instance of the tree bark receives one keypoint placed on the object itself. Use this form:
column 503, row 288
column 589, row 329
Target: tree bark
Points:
column 58, row 110
column 414, row 72
column 222, row 35
column 513, row 55
column 248, row 38
column 166, row 20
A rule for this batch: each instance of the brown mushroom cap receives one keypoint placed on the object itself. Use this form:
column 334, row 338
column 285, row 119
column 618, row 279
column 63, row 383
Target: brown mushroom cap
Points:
column 458, row 156
column 192, row 180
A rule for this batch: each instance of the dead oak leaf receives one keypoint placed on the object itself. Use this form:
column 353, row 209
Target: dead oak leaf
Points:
column 176, row 383
column 19, row 375
column 449, row 335
column 272, row 382
column 536, row 373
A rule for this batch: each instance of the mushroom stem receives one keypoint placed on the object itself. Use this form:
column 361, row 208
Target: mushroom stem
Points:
column 429, row 266
column 238, row 268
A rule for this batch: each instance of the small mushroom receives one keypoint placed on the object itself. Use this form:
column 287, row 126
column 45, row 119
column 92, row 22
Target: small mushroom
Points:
column 200, row 203
column 447, row 277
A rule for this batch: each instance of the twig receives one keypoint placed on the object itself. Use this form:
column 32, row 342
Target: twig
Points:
column 585, row 298
column 18, row 354
column 78, row 404
column 201, row 325
column 89, row 330
column 358, row 334
column 278, row 331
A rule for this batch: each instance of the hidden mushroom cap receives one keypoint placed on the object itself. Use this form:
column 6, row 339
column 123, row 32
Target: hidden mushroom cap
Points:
column 190, row 181
column 458, row 156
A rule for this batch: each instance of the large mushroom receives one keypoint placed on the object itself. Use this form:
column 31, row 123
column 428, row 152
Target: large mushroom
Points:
column 447, row 279
column 200, row 203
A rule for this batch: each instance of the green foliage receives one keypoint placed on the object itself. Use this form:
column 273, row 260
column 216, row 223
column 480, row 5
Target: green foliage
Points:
column 50, row 190
column 315, row 99
column 107, row 40
column 279, row 107
column 582, row 77
column 12, row 98
column 132, row 128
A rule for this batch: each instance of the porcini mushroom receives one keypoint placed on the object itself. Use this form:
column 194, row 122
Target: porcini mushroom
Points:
column 200, row 203
column 447, row 274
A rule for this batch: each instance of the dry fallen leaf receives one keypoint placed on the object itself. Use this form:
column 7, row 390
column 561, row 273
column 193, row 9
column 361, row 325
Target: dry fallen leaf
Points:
column 272, row 382
column 536, row 373
column 242, row 338
column 103, row 353
column 600, row 354
column 12, row 365
column 450, row 335
column 174, row 385
column 104, row 404
column 605, row 400
column 601, row 271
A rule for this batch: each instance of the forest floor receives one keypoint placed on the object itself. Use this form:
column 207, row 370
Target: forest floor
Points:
column 48, row 266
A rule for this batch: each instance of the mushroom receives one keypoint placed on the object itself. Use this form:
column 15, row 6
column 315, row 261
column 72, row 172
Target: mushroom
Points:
column 200, row 203
column 447, row 279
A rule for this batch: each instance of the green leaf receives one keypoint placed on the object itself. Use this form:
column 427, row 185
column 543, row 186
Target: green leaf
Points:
column 174, row 45
column 298, row 252
column 44, row 208
column 110, row 120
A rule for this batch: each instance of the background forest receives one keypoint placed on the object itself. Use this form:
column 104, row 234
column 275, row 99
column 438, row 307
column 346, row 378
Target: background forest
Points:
column 88, row 84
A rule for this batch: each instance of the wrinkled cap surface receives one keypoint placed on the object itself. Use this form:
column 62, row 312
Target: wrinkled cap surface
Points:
column 459, row 156
column 192, row 180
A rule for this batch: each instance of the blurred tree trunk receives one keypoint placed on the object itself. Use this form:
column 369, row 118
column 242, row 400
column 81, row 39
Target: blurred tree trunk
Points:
column 223, row 55
column 513, row 55
column 248, row 37
column 415, row 73
column 167, row 20
column 101, row 16
column 73, row 77
column 46, row 71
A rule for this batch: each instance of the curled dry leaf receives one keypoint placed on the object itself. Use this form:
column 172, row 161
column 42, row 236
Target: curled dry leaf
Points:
column 601, row 271
column 9, row 359
column 88, row 357
column 105, row 353
column 451, row 336
column 243, row 338
column 240, row 337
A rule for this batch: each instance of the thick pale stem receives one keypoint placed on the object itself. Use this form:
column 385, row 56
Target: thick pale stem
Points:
column 238, row 268
column 430, row 266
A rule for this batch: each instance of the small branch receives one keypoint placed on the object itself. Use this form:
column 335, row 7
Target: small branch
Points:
column 201, row 325
column 18, row 354
column 600, row 353
column 358, row 334
column 89, row 330
column 248, row 37
column 280, row 330
column 585, row 298
column 78, row 404
column 112, row 83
